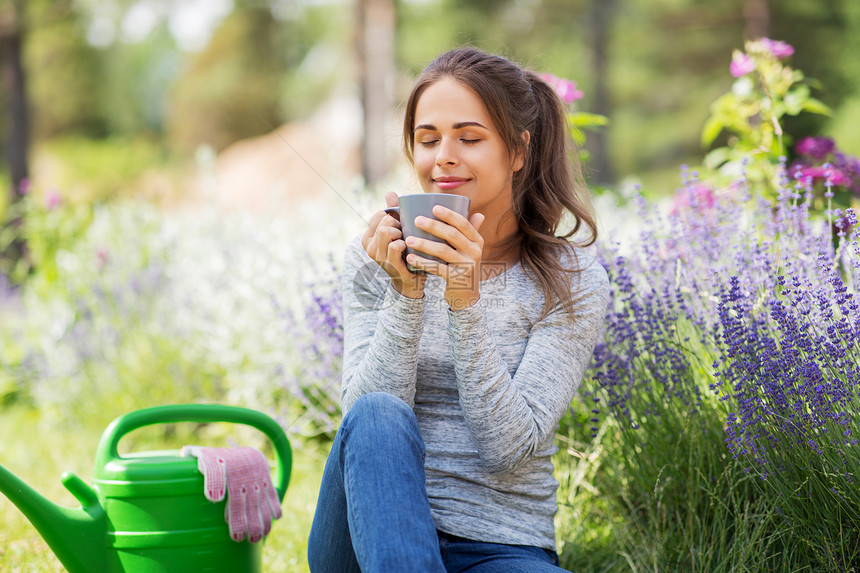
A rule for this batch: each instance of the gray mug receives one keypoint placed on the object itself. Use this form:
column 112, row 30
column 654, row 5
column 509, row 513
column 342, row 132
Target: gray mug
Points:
column 421, row 204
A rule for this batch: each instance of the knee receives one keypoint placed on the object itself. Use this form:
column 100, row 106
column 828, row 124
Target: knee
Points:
column 381, row 411
column 380, row 404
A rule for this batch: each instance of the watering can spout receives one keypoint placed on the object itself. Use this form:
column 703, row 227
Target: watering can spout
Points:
column 76, row 536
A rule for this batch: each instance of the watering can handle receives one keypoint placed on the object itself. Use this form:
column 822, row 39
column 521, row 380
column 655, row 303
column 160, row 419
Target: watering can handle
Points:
column 201, row 413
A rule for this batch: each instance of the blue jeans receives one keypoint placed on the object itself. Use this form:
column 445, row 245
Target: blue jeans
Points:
column 373, row 514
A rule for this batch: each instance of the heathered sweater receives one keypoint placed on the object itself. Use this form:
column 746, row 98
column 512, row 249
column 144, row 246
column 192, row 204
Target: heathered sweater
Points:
column 488, row 385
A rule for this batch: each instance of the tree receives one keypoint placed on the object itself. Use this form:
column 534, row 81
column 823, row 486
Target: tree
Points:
column 230, row 85
column 374, row 42
column 600, row 164
column 16, row 120
column 757, row 19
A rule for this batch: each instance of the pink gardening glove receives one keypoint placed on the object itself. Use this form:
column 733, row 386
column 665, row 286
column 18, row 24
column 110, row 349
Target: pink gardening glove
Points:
column 243, row 474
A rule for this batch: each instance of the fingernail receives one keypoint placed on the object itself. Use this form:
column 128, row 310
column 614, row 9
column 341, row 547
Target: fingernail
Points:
column 410, row 240
column 420, row 220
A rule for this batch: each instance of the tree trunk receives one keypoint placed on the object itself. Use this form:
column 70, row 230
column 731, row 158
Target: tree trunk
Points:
column 600, row 17
column 375, row 20
column 16, row 140
column 757, row 19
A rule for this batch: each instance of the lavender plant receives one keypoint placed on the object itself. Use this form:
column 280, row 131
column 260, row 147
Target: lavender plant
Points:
column 148, row 308
column 729, row 368
column 312, row 383
column 789, row 368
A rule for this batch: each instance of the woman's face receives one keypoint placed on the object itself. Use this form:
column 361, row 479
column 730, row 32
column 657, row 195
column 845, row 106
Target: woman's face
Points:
column 458, row 150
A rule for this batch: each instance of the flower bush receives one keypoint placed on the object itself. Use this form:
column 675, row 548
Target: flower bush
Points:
column 312, row 384
column 830, row 173
column 579, row 121
column 145, row 308
column 729, row 368
column 766, row 89
column 47, row 224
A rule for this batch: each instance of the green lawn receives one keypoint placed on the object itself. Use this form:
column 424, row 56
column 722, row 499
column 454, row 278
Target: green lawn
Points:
column 39, row 456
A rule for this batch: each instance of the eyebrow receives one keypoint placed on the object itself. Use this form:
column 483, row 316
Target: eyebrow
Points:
column 459, row 125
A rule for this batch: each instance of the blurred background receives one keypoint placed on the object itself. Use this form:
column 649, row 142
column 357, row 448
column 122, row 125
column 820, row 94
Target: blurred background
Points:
column 179, row 179
column 292, row 98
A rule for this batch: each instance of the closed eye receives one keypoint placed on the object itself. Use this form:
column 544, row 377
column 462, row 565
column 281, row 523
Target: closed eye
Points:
column 470, row 141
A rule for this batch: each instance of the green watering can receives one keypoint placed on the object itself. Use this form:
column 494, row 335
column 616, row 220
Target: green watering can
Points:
column 146, row 512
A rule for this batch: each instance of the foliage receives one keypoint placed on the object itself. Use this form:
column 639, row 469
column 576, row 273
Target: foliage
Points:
column 578, row 121
column 48, row 224
column 789, row 368
column 58, row 60
column 256, row 73
column 765, row 90
column 312, row 385
column 135, row 79
column 88, row 170
column 229, row 86
column 189, row 307
column 727, row 314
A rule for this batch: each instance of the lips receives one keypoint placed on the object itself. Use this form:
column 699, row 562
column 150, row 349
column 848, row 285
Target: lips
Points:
column 448, row 183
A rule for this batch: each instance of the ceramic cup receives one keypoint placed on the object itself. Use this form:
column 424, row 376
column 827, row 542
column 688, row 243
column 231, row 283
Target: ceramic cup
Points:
column 421, row 205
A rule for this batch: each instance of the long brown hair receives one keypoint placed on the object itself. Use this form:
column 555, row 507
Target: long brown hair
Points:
column 550, row 182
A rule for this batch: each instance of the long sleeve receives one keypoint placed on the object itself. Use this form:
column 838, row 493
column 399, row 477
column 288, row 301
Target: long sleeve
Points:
column 382, row 329
column 510, row 417
column 488, row 386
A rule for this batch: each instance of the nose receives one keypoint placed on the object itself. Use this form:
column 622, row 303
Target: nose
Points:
column 445, row 153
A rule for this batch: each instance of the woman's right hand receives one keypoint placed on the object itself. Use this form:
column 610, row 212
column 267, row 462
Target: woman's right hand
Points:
column 384, row 243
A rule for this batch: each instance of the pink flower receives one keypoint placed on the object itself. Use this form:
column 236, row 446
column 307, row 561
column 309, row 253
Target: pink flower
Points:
column 101, row 256
column 778, row 49
column 565, row 89
column 53, row 199
column 837, row 178
column 741, row 64
column 696, row 195
column 816, row 147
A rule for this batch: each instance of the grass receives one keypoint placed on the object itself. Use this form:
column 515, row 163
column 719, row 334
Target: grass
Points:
column 39, row 451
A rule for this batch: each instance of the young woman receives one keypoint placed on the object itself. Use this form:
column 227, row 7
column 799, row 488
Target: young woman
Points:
column 455, row 379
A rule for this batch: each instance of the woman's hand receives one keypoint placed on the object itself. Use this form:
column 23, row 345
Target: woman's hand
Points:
column 384, row 243
column 463, row 256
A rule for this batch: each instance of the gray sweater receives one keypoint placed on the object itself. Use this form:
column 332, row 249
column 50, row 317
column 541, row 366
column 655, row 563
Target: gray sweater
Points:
column 488, row 385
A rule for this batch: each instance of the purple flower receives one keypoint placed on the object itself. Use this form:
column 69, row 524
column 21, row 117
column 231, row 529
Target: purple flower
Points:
column 738, row 317
column 565, row 89
column 778, row 49
column 741, row 64
column 817, row 147
column 24, row 186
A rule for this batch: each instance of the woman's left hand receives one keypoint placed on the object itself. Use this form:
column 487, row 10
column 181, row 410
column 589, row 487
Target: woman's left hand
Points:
column 463, row 256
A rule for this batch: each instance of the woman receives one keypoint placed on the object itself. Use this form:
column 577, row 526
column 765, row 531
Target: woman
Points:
column 455, row 379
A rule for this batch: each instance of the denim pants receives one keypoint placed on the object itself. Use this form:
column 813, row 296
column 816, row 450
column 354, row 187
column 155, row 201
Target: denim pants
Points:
column 373, row 514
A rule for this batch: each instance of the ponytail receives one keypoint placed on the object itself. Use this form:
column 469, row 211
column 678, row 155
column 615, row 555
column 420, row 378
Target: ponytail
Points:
column 549, row 185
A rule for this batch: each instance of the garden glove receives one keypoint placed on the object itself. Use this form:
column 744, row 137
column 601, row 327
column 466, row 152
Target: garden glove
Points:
column 243, row 475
